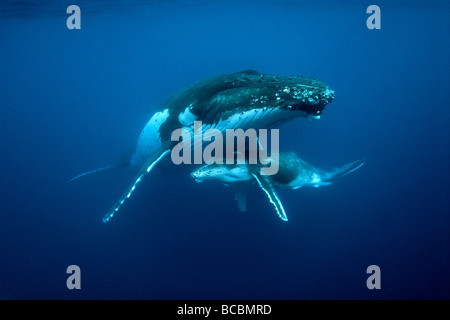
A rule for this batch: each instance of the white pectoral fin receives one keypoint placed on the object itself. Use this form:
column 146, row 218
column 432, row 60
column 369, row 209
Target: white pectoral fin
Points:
column 149, row 165
column 265, row 184
column 240, row 194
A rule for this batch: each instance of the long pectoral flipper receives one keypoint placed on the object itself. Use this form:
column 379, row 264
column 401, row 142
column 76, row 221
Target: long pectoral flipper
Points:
column 163, row 151
column 268, row 188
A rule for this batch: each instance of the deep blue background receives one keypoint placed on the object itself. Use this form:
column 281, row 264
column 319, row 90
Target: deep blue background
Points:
column 74, row 100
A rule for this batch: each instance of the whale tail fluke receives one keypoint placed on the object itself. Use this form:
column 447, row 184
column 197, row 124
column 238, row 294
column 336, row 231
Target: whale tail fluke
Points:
column 125, row 162
column 330, row 177
column 112, row 166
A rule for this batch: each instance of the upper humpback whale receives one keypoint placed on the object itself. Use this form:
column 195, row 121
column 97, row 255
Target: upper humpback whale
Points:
column 293, row 173
column 246, row 99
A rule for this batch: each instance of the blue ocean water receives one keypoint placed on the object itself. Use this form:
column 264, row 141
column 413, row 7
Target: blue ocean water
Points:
column 74, row 100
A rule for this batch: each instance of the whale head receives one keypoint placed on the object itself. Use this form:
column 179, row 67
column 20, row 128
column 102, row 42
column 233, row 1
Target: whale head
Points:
column 246, row 99
column 223, row 173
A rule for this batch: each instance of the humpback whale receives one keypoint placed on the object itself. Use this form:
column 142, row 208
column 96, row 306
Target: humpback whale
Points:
column 246, row 99
column 293, row 173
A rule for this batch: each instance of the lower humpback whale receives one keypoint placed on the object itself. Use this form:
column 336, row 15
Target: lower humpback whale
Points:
column 293, row 173
column 246, row 99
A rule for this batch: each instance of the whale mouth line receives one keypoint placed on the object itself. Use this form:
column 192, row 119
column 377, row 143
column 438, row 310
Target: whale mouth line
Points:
column 310, row 109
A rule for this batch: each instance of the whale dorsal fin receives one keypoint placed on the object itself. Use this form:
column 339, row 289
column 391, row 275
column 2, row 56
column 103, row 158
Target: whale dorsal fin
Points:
column 265, row 184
